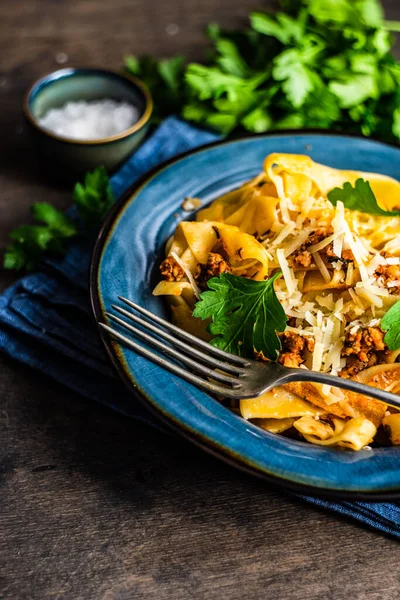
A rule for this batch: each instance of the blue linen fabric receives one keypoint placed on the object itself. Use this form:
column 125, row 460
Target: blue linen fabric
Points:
column 46, row 320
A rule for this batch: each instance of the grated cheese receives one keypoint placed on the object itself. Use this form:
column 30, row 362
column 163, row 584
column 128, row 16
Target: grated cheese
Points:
column 350, row 274
column 326, row 389
column 322, row 267
column 304, row 332
column 317, row 356
column 369, row 297
column 326, row 301
column 289, row 278
column 363, row 272
column 286, row 231
column 307, row 205
column 333, row 358
column 355, row 298
column 188, row 274
column 325, row 242
column 309, row 317
column 338, row 226
column 374, row 263
column 296, row 243
column 283, row 205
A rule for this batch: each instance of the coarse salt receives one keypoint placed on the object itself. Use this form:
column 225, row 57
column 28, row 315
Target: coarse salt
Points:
column 93, row 120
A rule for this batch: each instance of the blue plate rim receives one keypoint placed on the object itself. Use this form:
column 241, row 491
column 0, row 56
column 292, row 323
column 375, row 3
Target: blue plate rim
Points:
column 193, row 436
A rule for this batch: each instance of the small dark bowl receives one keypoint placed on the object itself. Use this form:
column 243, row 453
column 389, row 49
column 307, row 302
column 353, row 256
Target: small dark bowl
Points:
column 70, row 158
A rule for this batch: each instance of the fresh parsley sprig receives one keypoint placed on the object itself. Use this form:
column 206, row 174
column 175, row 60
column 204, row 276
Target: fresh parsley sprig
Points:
column 246, row 315
column 94, row 197
column 30, row 243
column 360, row 197
column 391, row 324
column 316, row 63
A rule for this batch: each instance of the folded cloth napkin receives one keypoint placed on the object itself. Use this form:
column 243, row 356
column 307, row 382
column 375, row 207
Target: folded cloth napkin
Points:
column 46, row 321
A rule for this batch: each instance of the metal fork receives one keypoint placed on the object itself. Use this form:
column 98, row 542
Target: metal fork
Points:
column 213, row 369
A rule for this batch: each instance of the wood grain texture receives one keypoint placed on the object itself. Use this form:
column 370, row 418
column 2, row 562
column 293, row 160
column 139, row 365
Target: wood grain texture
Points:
column 94, row 506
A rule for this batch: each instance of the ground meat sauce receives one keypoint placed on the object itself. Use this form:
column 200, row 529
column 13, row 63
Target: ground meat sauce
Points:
column 363, row 348
column 170, row 270
column 348, row 256
column 389, row 274
column 216, row 265
column 294, row 348
column 303, row 257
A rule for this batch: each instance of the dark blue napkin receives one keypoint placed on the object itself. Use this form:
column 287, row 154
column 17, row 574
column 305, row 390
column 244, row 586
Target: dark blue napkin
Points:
column 46, row 321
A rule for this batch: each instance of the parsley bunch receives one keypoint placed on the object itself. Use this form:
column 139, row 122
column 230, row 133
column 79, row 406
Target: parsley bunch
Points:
column 317, row 63
column 29, row 243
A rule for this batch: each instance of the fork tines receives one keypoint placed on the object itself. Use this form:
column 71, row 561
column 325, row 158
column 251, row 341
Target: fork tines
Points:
column 200, row 357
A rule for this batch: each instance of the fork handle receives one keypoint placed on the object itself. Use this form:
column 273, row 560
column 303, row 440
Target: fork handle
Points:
column 297, row 375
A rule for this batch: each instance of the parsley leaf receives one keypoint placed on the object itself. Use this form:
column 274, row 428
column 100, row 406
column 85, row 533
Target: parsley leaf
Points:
column 94, row 198
column 371, row 12
column 246, row 315
column 259, row 120
column 281, row 26
column 56, row 220
column 396, row 122
column 391, row 324
column 165, row 80
column 30, row 243
column 360, row 197
column 291, row 67
column 229, row 58
column 339, row 11
column 353, row 89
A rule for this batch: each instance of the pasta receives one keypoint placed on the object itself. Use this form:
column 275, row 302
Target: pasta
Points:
column 340, row 275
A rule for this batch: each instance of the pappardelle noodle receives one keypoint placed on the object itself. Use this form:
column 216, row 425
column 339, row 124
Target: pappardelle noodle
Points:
column 333, row 238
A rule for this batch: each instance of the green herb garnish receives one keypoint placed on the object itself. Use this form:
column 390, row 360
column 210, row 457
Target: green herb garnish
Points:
column 94, row 198
column 30, row 243
column 317, row 63
column 165, row 78
column 360, row 197
column 391, row 324
column 246, row 315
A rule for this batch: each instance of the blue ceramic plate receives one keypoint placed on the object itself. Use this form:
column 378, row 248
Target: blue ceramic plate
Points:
column 125, row 261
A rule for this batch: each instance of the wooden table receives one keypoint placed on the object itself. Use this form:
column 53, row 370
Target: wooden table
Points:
column 94, row 506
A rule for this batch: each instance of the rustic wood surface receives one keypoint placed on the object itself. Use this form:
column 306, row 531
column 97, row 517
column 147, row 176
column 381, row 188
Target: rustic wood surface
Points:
column 94, row 506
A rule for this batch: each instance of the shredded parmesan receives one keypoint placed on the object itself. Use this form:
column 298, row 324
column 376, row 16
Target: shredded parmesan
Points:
column 363, row 272
column 296, row 243
column 326, row 301
column 369, row 297
column 317, row 356
column 325, row 242
column 338, row 224
column 350, row 274
column 321, row 266
column 286, row 271
column 188, row 274
column 286, row 231
column 283, row 205
column 355, row 298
